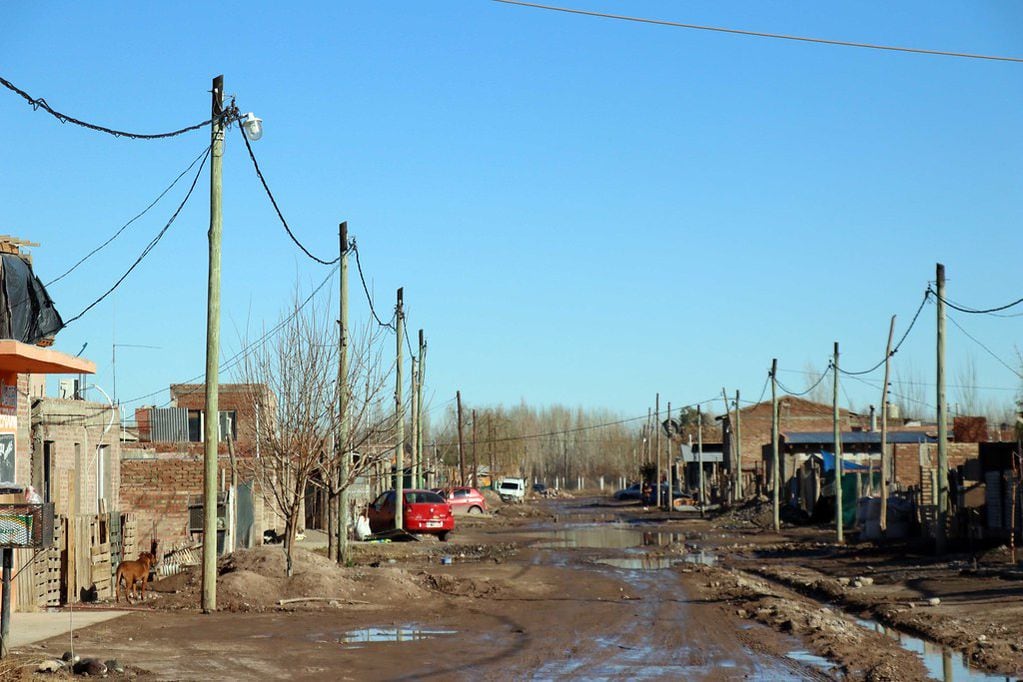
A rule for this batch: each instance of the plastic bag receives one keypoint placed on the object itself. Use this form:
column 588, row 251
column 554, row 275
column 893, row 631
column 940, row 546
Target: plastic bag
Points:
column 362, row 529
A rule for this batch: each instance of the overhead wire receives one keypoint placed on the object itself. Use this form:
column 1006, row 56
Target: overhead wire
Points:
column 365, row 289
column 761, row 34
column 895, row 348
column 985, row 347
column 975, row 311
column 39, row 103
column 273, row 201
column 149, row 247
column 127, row 224
column 817, row 383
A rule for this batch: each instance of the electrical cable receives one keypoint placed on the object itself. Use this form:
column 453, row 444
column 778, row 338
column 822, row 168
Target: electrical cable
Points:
column 369, row 299
column 815, row 385
column 895, row 348
column 982, row 345
column 149, row 247
column 259, row 174
column 763, row 391
column 39, row 103
column 236, row 358
column 761, row 34
column 974, row 311
column 125, row 226
column 408, row 343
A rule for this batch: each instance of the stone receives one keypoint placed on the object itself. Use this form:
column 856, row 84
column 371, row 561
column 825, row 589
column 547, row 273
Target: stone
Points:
column 93, row 667
column 934, row 601
column 857, row 583
column 114, row 666
column 843, row 581
column 50, row 666
column 866, row 581
column 742, row 613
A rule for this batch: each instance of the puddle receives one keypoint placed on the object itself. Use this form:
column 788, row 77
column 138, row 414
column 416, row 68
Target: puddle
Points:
column 407, row 633
column 806, row 658
column 608, row 536
column 646, row 562
column 701, row 557
column 941, row 663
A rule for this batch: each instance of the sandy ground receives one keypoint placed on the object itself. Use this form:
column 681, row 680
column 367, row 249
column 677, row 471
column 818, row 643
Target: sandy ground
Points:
column 570, row 589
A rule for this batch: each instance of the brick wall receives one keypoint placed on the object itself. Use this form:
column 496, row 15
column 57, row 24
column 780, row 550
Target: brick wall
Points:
column 74, row 429
column 907, row 459
column 237, row 397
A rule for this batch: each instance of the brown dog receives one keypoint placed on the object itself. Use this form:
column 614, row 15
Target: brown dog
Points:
column 133, row 572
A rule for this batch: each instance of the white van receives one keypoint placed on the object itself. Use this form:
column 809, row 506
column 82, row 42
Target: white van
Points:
column 512, row 489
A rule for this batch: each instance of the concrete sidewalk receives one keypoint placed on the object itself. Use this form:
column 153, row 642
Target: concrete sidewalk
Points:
column 28, row 628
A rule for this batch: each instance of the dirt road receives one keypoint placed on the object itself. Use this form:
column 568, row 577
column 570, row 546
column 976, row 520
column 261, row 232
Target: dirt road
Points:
column 557, row 590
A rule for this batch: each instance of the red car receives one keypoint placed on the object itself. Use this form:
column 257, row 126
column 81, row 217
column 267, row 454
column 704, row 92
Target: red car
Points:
column 464, row 500
column 424, row 512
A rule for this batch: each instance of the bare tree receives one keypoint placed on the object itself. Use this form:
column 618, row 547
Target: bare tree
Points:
column 294, row 387
column 820, row 393
column 966, row 388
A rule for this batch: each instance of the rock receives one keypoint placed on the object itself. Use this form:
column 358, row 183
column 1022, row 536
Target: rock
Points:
column 93, row 667
column 114, row 666
column 843, row 581
column 857, row 583
column 982, row 638
column 742, row 613
column 934, row 601
column 866, row 581
column 51, row 666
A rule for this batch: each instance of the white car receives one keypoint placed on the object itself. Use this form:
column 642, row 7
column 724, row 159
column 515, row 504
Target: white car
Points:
column 512, row 489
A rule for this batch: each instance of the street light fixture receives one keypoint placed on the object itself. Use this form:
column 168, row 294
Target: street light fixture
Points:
column 253, row 126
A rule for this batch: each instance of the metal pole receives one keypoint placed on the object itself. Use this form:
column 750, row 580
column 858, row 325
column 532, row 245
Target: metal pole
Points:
column 837, row 433
column 212, row 412
column 343, row 453
column 885, row 458
column 942, row 417
column 699, row 454
column 775, row 478
column 399, row 416
column 738, row 449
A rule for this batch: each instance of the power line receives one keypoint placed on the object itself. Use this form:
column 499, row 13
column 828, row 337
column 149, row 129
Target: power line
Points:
column 761, row 34
column 408, row 343
column 237, row 357
column 815, row 384
column 981, row 344
column 39, row 103
column 918, row 383
column 259, row 173
column 975, row 311
column 897, row 395
column 369, row 299
column 125, row 226
column 895, row 348
column 149, row 247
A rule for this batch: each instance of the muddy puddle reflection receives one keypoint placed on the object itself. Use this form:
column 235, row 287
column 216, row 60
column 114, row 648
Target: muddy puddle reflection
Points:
column 607, row 536
column 941, row 663
column 404, row 633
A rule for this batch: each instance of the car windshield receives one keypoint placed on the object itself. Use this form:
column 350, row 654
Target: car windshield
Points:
column 507, row 485
column 423, row 497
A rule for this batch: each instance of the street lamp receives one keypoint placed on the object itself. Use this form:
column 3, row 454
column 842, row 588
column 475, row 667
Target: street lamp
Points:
column 253, row 126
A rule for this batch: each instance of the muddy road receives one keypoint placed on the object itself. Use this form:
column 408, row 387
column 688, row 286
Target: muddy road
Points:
column 560, row 589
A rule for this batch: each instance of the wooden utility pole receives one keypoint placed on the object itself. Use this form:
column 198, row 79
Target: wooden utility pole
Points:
column 731, row 448
column 942, row 417
column 475, row 461
column 490, row 450
column 343, row 450
column 657, row 446
column 461, row 450
column 884, row 429
column 837, row 433
column 738, row 449
column 775, row 477
column 419, row 421
column 399, row 415
column 699, row 455
column 212, row 409
column 667, row 457
column 646, row 436
column 415, row 422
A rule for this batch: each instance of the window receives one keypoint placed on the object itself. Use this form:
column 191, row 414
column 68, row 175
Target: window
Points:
column 47, row 481
column 197, row 424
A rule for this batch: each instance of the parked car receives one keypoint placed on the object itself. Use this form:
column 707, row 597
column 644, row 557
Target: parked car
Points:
column 651, row 496
column 633, row 492
column 464, row 500
column 512, row 489
column 539, row 488
column 424, row 512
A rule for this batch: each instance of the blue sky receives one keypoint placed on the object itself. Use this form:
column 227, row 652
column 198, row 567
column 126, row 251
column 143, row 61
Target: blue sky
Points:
column 581, row 211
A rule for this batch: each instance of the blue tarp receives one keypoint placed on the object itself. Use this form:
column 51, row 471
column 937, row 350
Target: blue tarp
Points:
column 847, row 466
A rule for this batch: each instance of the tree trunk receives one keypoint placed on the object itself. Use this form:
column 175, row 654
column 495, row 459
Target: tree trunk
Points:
column 332, row 499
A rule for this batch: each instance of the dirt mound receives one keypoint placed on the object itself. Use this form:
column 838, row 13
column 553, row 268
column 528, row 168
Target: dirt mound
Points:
column 255, row 580
column 758, row 512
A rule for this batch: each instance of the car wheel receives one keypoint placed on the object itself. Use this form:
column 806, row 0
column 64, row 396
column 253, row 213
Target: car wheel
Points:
column 475, row 510
column 443, row 537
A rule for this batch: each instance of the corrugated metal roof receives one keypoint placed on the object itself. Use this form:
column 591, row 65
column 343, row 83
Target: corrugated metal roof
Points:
column 855, row 437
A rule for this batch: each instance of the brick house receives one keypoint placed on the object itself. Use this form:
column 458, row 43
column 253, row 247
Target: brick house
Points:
column 162, row 471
